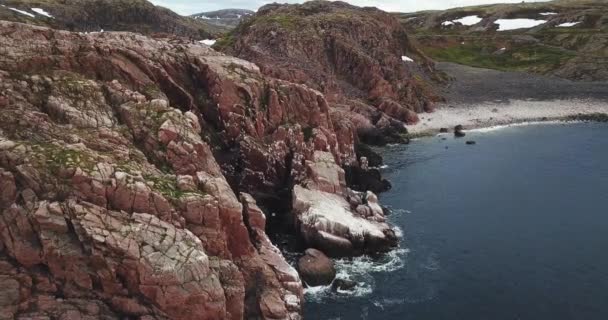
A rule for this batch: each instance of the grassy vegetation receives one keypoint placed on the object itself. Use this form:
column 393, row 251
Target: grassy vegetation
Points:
column 167, row 186
column 532, row 58
column 289, row 22
column 54, row 158
column 225, row 42
column 308, row 133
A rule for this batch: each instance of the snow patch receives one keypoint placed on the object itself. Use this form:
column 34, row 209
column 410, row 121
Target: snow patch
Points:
column 567, row 24
column 21, row 11
column 407, row 59
column 514, row 24
column 42, row 12
column 208, row 42
column 466, row 21
column 548, row 13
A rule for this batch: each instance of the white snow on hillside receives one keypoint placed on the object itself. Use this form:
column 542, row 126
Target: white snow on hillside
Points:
column 407, row 59
column 568, row 24
column 514, row 24
column 548, row 13
column 469, row 20
column 466, row 21
column 208, row 42
column 41, row 11
column 20, row 11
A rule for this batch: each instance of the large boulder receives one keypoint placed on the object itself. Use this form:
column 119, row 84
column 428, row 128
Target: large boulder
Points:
column 331, row 217
column 316, row 269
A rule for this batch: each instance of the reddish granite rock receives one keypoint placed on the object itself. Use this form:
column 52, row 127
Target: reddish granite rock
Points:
column 111, row 189
column 335, row 219
column 353, row 55
column 316, row 268
column 119, row 157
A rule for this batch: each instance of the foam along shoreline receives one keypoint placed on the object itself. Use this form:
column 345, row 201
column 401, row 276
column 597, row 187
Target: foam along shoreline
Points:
column 500, row 114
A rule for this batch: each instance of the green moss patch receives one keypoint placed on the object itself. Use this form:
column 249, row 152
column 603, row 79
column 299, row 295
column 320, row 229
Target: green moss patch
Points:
column 530, row 58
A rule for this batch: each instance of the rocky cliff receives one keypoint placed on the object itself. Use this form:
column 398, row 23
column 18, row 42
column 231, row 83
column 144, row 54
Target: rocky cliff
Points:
column 564, row 38
column 362, row 59
column 132, row 172
column 110, row 15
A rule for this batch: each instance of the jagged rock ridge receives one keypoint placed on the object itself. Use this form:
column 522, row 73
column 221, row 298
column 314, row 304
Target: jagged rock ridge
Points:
column 110, row 15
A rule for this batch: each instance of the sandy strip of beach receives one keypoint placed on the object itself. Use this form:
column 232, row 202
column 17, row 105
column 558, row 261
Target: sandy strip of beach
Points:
column 489, row 114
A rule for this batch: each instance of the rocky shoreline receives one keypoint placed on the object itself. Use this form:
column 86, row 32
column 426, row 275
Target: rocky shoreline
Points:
column 486, row 115
column 139, row 177
column 133, row 173
column 481, row 98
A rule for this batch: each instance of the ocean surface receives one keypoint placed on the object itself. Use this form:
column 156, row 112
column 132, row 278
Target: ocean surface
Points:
column 514, row 227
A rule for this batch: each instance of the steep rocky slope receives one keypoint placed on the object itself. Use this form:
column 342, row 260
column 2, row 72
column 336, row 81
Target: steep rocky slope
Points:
column 226, row 18
column 131, row 170
column 565, row 38
column 361, row 58
column 111, row 15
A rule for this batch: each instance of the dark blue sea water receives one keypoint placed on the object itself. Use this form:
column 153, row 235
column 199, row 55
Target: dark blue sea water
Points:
column 515, row 227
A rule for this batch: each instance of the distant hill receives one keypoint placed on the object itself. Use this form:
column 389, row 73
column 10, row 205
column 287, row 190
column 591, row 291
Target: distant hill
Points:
column 227, row 18
column 566, row 38
column 116, row 15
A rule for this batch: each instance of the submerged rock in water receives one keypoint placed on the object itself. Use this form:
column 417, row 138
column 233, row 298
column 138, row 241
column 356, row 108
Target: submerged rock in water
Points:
column 459, row 131
column 316, row 269
column 343, row 285
column 471, row 142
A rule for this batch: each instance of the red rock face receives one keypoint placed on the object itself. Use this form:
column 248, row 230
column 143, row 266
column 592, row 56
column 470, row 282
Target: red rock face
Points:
column 130, row 169
column 110, row 191
column 352, row 55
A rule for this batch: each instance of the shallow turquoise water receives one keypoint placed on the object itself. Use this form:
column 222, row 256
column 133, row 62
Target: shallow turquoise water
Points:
column 514, row 227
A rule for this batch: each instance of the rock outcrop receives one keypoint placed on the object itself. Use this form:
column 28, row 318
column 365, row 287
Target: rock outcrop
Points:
column 130, row 175
column 109, row 15
column 316, row 268
column 362, row 59
column 336, row 219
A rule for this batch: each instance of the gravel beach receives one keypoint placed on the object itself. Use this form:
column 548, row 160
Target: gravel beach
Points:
column 483, row 98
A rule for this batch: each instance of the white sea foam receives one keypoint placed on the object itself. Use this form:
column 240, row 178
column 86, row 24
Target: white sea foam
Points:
column 520, row 124
column 360, row 270
column 398, row 232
